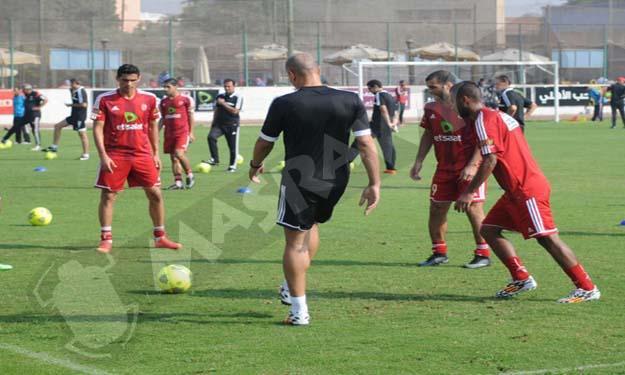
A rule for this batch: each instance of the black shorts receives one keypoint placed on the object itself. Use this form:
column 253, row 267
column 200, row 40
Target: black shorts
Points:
column 77, row 123
column 300, row 209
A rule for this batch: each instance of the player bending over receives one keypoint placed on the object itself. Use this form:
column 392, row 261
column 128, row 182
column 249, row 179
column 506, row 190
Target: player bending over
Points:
column 177, row 118
column 524, row 207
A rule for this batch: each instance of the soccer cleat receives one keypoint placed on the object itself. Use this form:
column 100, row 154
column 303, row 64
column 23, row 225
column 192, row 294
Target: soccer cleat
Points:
column 581, row 295
column 285, row 295
column 517, row 286
column 49, row 149
column 434, row 260
column 166, row 243
column 5, row 267
column 478, row 261
column 36, row 148
column 175, row 187
column 390, row 171
column 105, row 246
column 26, row 142
column 190, row 181
column 231, row 169
column 211, row 161
column 84, row 157
column 297, row 319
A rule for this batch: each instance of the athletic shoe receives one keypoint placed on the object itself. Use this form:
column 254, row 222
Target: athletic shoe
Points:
column 84, row 157
column 190, row 182
column 285, row 295
column 517, row 286
column 26, row 143
column 390, row 171
column 105, row 246
column 166, row 243
column 175, row 187
column 231, row 169
column 50, row 149
column 478, row 261
column 581, row 295
column 5, row 267
column 36, row 148
column 298, row 319
column 434, row 260
column 210, row 161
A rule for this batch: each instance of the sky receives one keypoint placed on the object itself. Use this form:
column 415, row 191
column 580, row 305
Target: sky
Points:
column 514, row 8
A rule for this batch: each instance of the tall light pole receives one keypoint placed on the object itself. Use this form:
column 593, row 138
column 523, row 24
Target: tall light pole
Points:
column 105, row 76
column 289, row 32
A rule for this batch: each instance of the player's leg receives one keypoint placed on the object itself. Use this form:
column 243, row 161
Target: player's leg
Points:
column 184, row 165
column 481, row 257
column 56, row 138
column 176, row 170
column 15, row 129
column 585, row 290
column 214, row 134
column 621, row 109
column 388, row 151
column 313, row 246
column 437, row 226
column 231, row 134
column 295, row 263
column 157, row 214
column 613, row 112
column 84, row 141
column 35, row 125
column 105, row 215
column 18, row 122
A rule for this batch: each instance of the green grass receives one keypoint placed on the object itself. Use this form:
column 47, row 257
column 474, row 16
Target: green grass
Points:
column 373, row 310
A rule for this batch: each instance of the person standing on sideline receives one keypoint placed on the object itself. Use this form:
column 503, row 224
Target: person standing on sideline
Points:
column 596, row 99
column 457, row 159
column 32, row 115
column 525, row 205
column 401, row 96
column 125, row 131
column 513, row 102
column 316, row 121
column 177, row 118
column 18, row 118
column 617, row 95
column 76, row 119
column 226, row 122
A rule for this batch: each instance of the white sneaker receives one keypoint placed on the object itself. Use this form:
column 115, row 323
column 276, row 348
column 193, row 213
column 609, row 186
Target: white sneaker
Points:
column 285, row 295
column 84, row 157
column 36, row 148
column 517, row 286
column 581, row 295
column 297, row 319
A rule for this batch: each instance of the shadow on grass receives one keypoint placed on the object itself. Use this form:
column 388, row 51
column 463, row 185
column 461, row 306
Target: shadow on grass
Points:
column 391, row 187
column 329, row 262
column 15, row 246
column 591, row 234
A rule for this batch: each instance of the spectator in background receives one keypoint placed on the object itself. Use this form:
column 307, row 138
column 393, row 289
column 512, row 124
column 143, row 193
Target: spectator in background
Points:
column 258, row 81
column 153, row 84
column 513, row 102
column 489, row 93
column 617, row 92
column 32, row 114
column 596, row 99
column 401, row 96
column 18, row 118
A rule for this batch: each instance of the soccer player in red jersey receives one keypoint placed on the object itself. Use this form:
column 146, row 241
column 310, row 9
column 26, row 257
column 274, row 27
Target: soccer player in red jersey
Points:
column 524, row 207
column 457, row 159
column 125, row 131
column 177, row 118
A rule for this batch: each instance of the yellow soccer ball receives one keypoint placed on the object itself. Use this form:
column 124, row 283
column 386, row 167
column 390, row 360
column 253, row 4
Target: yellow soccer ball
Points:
column 203, row 168
column 39, row 216
column 240, row 159
column 174, row 279
column 51, row 155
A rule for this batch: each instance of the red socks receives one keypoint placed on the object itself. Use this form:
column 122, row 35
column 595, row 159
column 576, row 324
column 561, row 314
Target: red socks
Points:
column 482, row 249
column 516, row 268
column 580, row 278
column 106, row 234
column 159, row 232
column 439, row 247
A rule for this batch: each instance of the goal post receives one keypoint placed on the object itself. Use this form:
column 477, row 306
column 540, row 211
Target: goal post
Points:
column 362, row 65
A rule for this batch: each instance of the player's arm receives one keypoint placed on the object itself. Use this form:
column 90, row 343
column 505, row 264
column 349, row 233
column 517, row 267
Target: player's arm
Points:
column 106, row 163
column 268, row 136
column 191, row 117
column 531, row 107
column 153, row 134
column 369, row 157
column 233, row 109
column 489, row 161
column 424, row 148
column 386, row 116
column 512, row 109
column 470, row 170
column 44, row 101
column 82, row 100
column 262, row 149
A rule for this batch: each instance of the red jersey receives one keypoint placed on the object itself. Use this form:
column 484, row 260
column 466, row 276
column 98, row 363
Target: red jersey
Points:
column 175, row 112
column 126, row 122
column 454, row 141
column 401, row 95
column 516, row 171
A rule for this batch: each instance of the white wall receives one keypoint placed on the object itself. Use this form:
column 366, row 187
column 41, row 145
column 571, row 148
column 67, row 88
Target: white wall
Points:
column 256, row 101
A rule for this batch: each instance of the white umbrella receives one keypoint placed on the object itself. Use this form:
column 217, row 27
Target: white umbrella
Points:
column 357, row 52
column 268, row 52
column 201, row 72
column 19, row 57
column 445, row 51
column 6, row 72
column 512, row 54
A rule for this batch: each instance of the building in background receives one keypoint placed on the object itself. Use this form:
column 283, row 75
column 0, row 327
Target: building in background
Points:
column 129, row 12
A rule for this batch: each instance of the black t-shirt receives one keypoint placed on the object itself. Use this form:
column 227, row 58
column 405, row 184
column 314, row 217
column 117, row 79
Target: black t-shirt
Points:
column 79, row 96
column 223, row 117
column 510, row 97
column 316, row 122
column 382, row 99
column 618, row 91
column 32, row 100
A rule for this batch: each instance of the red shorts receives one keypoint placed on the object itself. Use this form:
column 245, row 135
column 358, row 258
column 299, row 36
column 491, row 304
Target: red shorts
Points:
column 529, row 216
column 139, row 172
column 175, row 142
column 447, row 188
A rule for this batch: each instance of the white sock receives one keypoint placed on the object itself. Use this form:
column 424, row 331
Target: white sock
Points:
column 179, row 183
column 285, row 285
column 190, row 174
column 298, row 305
column 54, row 147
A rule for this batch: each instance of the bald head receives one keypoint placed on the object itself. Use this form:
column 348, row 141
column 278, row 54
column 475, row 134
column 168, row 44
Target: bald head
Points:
column 301, row 64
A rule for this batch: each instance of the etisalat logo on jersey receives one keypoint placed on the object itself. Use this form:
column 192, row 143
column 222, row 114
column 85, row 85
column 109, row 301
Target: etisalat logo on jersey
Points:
column 204, row 97
column 447, row 126
column 130, row 123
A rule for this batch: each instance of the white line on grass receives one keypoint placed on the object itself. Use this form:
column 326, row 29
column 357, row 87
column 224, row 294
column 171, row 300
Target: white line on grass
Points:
column 564, row 370
column 43, row 357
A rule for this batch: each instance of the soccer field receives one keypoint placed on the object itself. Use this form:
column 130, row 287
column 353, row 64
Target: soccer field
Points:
column 66, row 309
